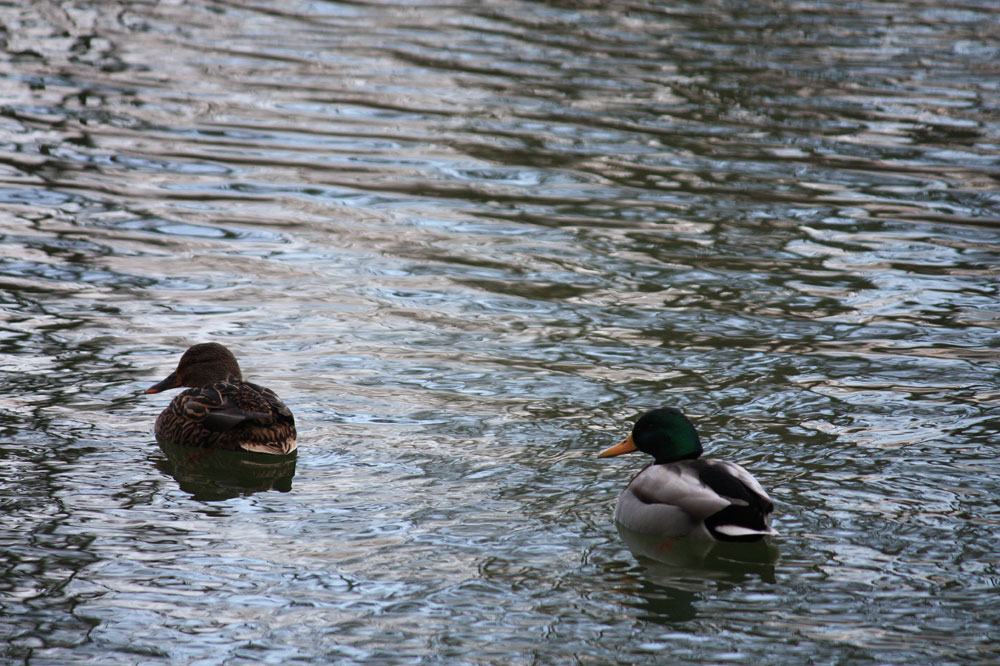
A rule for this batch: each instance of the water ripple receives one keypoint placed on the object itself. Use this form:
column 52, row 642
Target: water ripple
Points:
column 467, row 244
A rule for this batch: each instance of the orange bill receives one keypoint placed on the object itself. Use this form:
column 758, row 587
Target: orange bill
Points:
column 624, row 446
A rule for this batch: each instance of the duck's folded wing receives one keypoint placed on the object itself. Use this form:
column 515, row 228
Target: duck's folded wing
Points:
column 678, row 485
column 732, row 482
column 215, row 409
column 668, row 500
column 276, row 405
column 746, row 479
column 749, row 505
column 677, row 498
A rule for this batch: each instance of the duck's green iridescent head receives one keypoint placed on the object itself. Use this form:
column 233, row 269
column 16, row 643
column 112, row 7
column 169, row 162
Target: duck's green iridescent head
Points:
column 666, row 434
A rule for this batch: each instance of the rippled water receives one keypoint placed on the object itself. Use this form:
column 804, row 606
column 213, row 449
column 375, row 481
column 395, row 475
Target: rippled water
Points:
column 467, row 243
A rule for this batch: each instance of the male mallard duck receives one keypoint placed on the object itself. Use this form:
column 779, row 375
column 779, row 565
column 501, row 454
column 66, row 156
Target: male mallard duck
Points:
column 679, row 494
column 222, row 411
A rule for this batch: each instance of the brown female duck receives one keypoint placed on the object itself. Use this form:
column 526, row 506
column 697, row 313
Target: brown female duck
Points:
column 221, row 411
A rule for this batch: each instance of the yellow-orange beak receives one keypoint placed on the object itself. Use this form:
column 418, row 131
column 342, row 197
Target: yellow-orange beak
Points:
column 624, row 446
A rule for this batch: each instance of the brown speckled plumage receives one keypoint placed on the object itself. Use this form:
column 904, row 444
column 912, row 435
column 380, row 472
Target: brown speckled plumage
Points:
column 221, row 411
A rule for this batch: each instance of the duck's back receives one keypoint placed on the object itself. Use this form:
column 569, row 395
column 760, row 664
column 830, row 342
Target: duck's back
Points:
column 233, row 415
column 706, row 498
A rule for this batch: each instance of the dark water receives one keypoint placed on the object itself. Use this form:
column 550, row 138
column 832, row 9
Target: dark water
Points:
column 467, row 243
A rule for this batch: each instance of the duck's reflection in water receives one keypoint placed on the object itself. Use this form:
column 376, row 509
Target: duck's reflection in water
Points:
column 211, row 475
column 755, row 557
column 674, row 574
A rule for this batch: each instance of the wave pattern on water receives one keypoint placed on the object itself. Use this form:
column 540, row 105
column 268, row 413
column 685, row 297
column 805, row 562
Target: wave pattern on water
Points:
column 467, row 243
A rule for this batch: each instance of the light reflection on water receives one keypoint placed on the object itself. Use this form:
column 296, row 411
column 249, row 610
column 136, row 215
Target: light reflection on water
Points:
column 466, row 245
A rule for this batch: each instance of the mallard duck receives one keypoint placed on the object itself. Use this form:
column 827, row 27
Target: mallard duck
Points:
column 221, row 411
column 680, row 494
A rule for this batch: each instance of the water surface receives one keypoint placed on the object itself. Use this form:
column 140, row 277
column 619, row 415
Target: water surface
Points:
column 468, row 243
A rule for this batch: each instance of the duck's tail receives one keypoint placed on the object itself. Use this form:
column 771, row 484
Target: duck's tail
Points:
column 741, row 533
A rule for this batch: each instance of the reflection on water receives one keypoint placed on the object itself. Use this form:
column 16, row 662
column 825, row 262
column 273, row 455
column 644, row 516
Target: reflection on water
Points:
column 678, row 574
column 467, row 243
column 217, row 475
column 686, row 553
